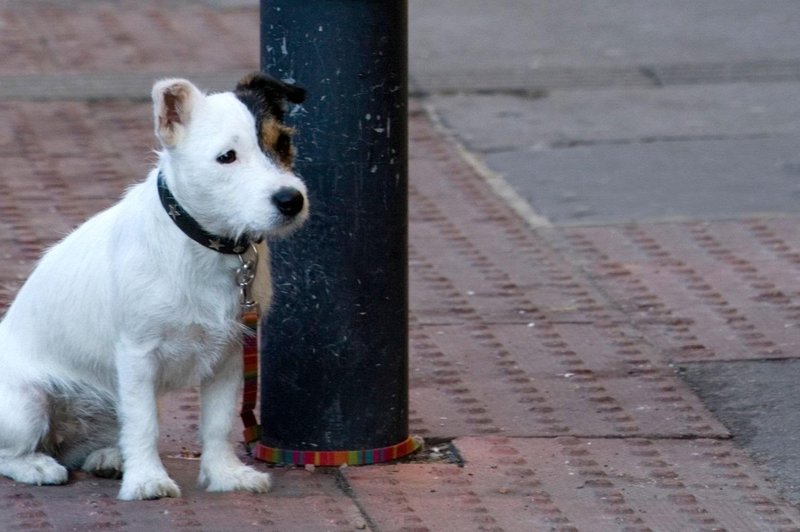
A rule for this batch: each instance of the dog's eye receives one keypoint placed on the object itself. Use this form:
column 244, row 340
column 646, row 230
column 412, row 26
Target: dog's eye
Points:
column 227, row 158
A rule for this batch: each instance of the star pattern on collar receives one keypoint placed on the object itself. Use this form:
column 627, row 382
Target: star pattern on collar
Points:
column 192, row 228
column 173, row 212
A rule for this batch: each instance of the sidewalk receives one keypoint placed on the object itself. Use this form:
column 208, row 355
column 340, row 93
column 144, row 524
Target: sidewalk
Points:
column 543, row 359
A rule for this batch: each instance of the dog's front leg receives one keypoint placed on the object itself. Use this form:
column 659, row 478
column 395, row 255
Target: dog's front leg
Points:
column 220, row 468
column 145, row 476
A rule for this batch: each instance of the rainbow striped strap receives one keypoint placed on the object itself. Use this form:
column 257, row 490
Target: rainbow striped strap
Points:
column 335, row 458
column 250, row 319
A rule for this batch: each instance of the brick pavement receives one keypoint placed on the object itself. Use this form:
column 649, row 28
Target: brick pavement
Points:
column 541, row 360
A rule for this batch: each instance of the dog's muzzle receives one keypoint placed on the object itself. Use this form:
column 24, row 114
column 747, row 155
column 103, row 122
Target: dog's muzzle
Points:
column 289, row 201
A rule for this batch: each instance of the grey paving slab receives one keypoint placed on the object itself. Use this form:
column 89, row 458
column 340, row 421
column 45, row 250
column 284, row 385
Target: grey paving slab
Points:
column 680, row 130
column 755, row 400
column 474, row 39
column 567, row 118
column 617, row 183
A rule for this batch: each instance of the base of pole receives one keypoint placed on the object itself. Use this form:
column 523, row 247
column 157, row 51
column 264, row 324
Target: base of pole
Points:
column 336, row 458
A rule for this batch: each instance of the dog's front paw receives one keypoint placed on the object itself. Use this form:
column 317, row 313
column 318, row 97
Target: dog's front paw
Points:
column 136, row 488
column 239, row 477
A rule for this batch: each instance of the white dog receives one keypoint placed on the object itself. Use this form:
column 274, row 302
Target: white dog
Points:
column 141, row 299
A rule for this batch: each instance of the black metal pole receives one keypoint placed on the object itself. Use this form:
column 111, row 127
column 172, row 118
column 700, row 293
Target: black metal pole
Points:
column 335, row 361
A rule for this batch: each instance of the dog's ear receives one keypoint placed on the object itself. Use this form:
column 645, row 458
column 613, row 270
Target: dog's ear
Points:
column 266, row 98
column 269, row 94
column 173, row 103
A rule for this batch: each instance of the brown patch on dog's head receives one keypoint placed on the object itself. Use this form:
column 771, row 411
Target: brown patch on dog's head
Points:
column 266, row 98
column 276, row 138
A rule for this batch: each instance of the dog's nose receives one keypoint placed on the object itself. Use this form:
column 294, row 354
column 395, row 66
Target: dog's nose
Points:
column 288, row 200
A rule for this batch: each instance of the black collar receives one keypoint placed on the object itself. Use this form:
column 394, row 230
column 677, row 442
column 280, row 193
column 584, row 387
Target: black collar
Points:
column 192, row 229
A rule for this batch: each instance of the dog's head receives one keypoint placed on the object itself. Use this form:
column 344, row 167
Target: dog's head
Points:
column 229, row 156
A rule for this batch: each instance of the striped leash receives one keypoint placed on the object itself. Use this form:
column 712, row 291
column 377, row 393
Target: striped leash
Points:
column 250, row 316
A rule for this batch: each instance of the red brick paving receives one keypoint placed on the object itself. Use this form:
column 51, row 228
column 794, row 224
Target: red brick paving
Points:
column 85, row 36
column 545, row 354
column 576, row 484
column 703, row 291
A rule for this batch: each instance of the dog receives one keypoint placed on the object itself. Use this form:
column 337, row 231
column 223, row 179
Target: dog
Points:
column 142, row 299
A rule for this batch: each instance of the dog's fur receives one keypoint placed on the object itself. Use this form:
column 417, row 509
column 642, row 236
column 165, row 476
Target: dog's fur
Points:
column 127, row 307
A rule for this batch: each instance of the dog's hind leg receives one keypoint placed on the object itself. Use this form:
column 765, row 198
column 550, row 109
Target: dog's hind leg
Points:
column 24, row 423
column 105, row 462
column 85, row 431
